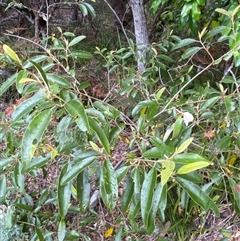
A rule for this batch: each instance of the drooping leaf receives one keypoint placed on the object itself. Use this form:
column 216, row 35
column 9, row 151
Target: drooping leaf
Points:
column 127, row 194
column 83, row 190
column 101, row 134
column 184, row 43
column 186, row 158
column 108, row 185
column 198, row 195
column 3, row 189
column 147, row 193
column 64, row 193
column 177, row 127
column 33, row 135
column 76, row 109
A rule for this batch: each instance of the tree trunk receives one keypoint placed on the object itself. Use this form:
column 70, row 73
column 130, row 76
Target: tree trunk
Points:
column 141, row 33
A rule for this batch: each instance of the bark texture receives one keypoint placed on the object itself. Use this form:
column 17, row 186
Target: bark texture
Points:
column 141, row 32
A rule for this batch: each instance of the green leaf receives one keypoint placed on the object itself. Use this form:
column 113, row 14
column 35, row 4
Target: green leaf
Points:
column 28, row 105
column 76, row 40
column 64, row 193
column 192, row 167
column 37, row 163
column 159, row 93
column 54, row 78
column 35, row 59
column 127, row 194
column 155, row 206
column 168, row 167
column 209, row 103
column 184, row 146
column 190, row 52
column 3, row 189
column 83, row 190
column 39, row 234
column 76, row 109
column 184, row 43
column 40, row 71
column 5, row 85
column 76, row 169
column 121, row 173
column 198, row 195
column 62, row 230
column 19, row 177
column 90, row 9
column 108, row 185
column 186, row 158
column 33, row 135
column 177, row 127
column 24, row 207
column 82, row 54
column 5, row 162
column 147, row 193
column 83, row 9
column 21, row 74
column 101, row 134
column 235, row 191
column 224, row 142
column 141, row 105
column 163, row 200
column 215, row 31
column 11, row 54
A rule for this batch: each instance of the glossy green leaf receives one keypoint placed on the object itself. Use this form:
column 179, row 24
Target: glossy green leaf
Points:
column 6, row 161
column 209, row 103
column 76, row 109
column 6, row 84
column 186, row 158
column 163, row 200
column 121, row 173
column 190, row 52
column 62, row 230
column 76, row 169
column 81, row 54
column 213, row 32
column 21, row 74
column 76, row 40
column 11, row 53
column 183, row 43
column 19, row 177
column 90, row 9
column 37, row 162
column 35, row 59
column 192, row 167
column 64, row 193
column 26, row 106
column 127, row 194
column 197, row 195
column 108, row 185
column 177, row 127
column 83, row 9
column 101, row 134
column 184, row 146
column 147, row 193
column 159, row 93
column 155, row 206
column 24, row 207
column 40, row 71
column 137, row 180
column 33, row 135
column 168, row 167
column 83, row 190
column 3, row 189
column 62, row 82
column 39, row 234
column 134, row 209
column 141, row 105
